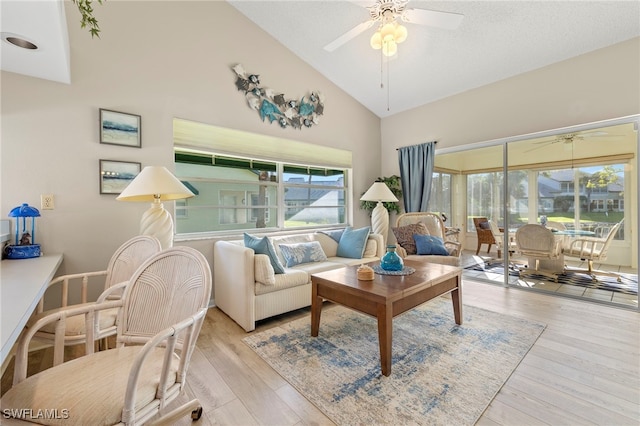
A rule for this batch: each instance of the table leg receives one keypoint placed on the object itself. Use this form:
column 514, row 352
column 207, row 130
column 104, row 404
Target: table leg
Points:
column 385, row 331
column 456, row 299
column 316, row 310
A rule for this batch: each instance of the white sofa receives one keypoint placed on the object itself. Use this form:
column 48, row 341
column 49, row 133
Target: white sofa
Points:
column 248, row 290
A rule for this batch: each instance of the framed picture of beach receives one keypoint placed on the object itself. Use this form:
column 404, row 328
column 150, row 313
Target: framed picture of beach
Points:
column 116, row 175
column 119, row 128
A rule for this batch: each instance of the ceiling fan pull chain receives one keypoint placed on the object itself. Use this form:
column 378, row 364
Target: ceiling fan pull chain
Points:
column 388, row 84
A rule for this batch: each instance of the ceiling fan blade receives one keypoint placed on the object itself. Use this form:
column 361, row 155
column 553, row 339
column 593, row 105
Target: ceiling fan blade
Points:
column 433, row 18
column 353, row 32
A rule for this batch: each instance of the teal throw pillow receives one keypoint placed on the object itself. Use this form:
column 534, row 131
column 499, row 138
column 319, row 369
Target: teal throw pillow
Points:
column 295, row 254
column 264, row 246
column 353, row 242
column 428, row 244
column 335, row 234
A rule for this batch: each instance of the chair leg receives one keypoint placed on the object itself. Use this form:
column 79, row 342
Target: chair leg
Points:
column 478, row 248
column 593, row 272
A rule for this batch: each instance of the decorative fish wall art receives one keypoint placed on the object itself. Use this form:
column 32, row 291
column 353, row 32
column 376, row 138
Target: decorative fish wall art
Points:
column 276, row 107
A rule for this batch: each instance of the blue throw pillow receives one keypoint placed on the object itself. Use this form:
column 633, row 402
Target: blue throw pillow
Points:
column 335, row 234
column 264, row 246
column 295, row 254
column 353, row 242
column 428, row 244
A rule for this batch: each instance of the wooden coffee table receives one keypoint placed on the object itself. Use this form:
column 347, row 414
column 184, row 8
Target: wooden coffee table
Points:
column 386, row 296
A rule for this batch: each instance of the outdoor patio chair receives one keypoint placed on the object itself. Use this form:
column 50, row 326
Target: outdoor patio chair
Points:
column 160, row 315
column 483, row 230
column 498, row 237
column 538, row 244
column 592, row 249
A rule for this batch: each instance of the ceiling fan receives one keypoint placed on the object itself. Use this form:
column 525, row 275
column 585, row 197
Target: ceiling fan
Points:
column 386, row 11
column 569, row 138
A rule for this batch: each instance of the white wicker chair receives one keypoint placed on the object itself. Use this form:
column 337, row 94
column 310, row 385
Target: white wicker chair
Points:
column 538, row 243
column 498, row 236
column 436, row 227
column 593, row 249
column 123, row 263
column 159, row 318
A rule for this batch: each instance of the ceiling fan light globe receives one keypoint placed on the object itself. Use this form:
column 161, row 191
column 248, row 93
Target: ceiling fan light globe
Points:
column 400, row 34
column 376, row 40
column 389, row 48
column 388, row 30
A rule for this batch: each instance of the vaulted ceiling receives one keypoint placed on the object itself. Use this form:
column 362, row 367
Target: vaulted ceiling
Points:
column 494, row 41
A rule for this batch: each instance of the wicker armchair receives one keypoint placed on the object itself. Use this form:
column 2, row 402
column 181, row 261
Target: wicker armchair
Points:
column 538, row 244
column 485, row 236
column 435, row 226
column 593, row 248
column 123, row 263
column 159, row 318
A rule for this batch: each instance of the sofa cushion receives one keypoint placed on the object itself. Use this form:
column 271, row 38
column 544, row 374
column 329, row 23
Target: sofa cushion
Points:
column 441, row 260
column 370, row 248
column 262, row 270
column 353, row 242
column 295, row 254
column 329, row 245
column 264, row 246
column 428, row 244
column 404, row 235
column 316, row 267
column 292, row 278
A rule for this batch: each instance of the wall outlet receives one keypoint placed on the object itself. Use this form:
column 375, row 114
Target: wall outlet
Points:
column 46, row 202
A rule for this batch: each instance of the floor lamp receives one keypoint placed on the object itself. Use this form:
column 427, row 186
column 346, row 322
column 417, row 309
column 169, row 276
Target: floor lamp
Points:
column 156, row 184
column 379, row 192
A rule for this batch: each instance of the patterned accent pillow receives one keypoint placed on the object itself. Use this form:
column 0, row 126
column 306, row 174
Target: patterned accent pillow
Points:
column 295, row 254
column 404, row 235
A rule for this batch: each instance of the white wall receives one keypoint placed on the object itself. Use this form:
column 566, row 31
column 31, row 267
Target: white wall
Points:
column 599, row 85
column 160, row 60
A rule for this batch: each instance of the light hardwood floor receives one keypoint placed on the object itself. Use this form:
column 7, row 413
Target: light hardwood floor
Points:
column 584, row 369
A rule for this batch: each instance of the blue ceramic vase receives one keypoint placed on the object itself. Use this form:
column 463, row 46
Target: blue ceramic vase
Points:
column 391, row 261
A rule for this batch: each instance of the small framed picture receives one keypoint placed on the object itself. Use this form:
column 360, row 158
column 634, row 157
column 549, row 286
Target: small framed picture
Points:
column 119, row 128
column 116, row 175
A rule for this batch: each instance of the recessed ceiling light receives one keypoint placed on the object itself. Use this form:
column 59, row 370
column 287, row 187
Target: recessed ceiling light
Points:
column 19, row 41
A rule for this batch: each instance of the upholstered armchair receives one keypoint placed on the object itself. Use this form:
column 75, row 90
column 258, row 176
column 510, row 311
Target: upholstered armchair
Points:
column 483, row 230
column 427, row 225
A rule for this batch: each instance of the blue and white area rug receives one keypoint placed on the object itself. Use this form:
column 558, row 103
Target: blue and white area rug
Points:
column 627, row 285
column 442, row 373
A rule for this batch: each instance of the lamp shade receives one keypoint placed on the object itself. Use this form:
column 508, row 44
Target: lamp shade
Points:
column 155, row 182
column 379, row 191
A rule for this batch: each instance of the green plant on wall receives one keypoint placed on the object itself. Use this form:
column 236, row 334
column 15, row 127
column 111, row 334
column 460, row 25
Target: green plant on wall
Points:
column 393, row 182
column 86, row 11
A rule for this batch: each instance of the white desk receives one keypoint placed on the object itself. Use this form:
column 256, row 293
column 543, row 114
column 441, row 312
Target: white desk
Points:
column 22, row 284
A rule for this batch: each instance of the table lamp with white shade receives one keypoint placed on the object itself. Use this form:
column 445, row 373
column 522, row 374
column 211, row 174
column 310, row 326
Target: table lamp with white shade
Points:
column 156, row 184
column 379, row 192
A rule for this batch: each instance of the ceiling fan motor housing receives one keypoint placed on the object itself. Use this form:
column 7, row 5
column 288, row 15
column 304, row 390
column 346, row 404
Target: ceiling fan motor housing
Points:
column 387, row 10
